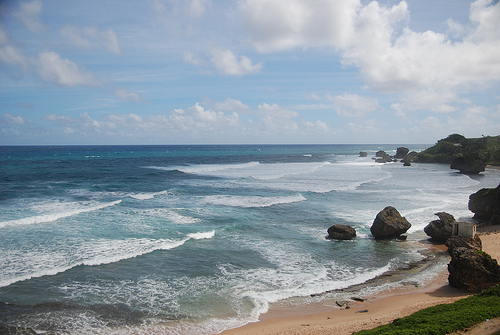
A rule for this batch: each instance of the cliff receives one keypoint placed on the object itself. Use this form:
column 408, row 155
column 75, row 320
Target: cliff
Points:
column 485, row 149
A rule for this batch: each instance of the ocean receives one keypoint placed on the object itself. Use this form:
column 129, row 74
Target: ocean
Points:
column 199, row 239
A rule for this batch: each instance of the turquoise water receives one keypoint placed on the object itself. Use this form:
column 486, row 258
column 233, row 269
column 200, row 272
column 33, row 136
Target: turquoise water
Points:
column 199, row 239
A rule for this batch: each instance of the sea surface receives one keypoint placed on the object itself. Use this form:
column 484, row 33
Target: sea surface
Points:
column 199, row 239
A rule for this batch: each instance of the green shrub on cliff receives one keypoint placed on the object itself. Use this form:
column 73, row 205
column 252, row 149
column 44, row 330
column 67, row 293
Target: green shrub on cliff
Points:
column 446, row 318
column 485, row 149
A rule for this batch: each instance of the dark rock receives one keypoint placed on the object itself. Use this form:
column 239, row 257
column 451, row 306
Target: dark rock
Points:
column 363, row 154
column 382, row 157
column 468, row 165
column 402, row 237
column 464, row 242
column 485, row 204
column 409, row 158
column 389, row 223
column 341, row 232
column 401, row 152
column 440, row 230
column 472, row 270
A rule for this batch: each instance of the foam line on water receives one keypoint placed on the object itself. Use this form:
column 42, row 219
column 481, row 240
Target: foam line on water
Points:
column 31, row 264
column 252, row 201
column 69, row 209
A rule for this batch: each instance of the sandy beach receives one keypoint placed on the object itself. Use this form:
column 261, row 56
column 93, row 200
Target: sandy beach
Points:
column 374, row 311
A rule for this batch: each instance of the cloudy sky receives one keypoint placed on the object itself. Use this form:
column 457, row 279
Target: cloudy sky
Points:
column 248, row 71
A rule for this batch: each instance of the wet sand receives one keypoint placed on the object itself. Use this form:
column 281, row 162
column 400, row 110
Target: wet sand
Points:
column 376, row 310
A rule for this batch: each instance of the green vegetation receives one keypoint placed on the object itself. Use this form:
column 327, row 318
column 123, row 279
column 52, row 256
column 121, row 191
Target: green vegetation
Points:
column 485, row 149
column 446, row 318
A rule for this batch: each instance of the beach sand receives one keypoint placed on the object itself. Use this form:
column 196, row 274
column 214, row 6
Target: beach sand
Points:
column 377, row 310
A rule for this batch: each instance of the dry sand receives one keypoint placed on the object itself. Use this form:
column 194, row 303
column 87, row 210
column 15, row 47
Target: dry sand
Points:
column 377, row 310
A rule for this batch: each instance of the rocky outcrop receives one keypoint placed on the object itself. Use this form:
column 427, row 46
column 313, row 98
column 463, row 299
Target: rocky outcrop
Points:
column 472, row 270
column 389, row 224
column 341, row 232
column 468, row 165
column 401, row 152
column 485, row 204
column 409, row 158
column 464, row 242
column 363, row 154
column 382, row 157
column 440, row 230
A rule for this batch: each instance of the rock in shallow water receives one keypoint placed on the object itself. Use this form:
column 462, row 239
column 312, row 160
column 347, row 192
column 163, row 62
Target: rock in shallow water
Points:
column 389, row 224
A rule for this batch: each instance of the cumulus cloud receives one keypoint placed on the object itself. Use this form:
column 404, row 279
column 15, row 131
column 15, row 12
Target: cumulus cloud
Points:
column 227, row 63
column 353, row 105
column 126, row 95
column 232, row 105
column 12, row 56
column 13, row 119
column 61, row 71
column 277, row 25
column 91, row 37
column 376, row 39
column 196, row 8
column 29, row 14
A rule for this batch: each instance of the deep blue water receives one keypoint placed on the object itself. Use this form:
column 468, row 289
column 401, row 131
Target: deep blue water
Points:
column 198, row 239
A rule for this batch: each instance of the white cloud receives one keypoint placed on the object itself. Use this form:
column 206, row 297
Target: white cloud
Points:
column 13, row 56
column 91, row 37
column 13, row 119
column 227, row 63
column 232, row 105
column 61, row 71
column 353, row 105
column 197, row 8
column 192, row 59
column 29, row 14
column 126, row 95
column 277, row 25
column 375, row 39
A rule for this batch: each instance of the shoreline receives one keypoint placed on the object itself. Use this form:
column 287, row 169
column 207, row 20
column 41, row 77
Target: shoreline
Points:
column 378, row 309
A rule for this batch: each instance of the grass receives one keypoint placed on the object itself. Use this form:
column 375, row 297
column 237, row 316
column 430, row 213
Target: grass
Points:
column 446, row 318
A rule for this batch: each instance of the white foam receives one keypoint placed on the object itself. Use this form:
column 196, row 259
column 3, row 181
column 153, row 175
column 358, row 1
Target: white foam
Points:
column 171, row 214
column 36, row 263
column 252, row 201
column 202, row 236
column 146, row 195
column 60, row 211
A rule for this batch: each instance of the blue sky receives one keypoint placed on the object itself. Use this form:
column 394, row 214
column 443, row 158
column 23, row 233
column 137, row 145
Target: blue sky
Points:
column 248, row 71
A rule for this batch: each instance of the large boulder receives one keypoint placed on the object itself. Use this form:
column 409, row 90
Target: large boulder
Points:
column 440, row 230
column 464, row 242
column 472, row 270
column 341, row 232
column 389, row 223
column 485, row 204
column 382, row 157
column 363, row 154
column 401, row 152
column 468, row 165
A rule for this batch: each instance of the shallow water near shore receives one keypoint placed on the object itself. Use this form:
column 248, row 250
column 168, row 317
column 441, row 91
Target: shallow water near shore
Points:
column 200, row 239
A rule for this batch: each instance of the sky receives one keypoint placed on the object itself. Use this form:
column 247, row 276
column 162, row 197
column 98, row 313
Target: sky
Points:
column 248, row 72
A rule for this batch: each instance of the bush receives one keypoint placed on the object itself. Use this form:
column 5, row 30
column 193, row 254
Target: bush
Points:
column 446, row 318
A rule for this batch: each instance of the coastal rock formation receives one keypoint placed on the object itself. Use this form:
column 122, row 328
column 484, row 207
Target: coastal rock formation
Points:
column 468, row 165
column 341, row 232
column 409, row 158
column 464, row 242
column 440, row 230
column 472, row 270
column 382, row 157
column 401, row 152
column 389, row 223
column 485, row 204
column 363, row 154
